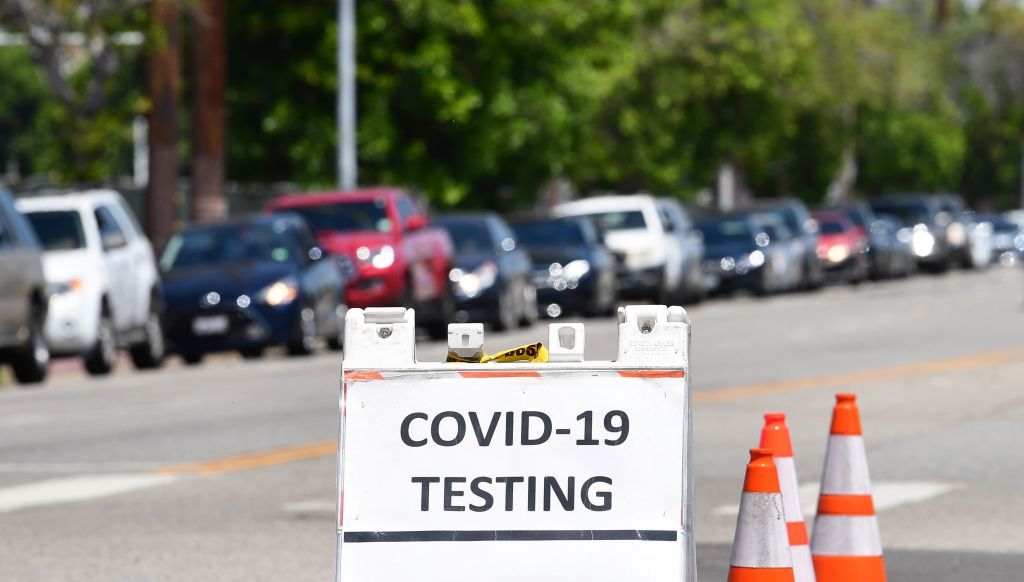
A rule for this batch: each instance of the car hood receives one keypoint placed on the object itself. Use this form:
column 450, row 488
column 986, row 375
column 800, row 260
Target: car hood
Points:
column 348, row 242
column 470, row 261
column 717, row 251
column 543, row 256
column 62, row 266
column 189, row 284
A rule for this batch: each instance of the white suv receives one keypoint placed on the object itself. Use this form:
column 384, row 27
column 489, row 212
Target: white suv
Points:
column 103, row 278
column 650, row 262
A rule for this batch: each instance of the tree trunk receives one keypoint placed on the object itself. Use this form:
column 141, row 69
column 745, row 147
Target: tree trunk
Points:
column 164, row 91
column 209, row 60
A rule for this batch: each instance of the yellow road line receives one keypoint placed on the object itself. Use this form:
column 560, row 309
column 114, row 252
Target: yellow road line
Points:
column 256, row 459
column 313, row 450
column 854, row 379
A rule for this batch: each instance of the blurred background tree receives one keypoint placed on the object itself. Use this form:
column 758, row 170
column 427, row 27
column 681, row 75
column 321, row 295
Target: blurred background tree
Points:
column 482, row 103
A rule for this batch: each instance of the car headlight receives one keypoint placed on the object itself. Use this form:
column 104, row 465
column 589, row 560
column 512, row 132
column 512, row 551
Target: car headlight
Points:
column 956, row 234
column 280, row 292
column 381, row 258
column 838, row 253
column 922, row 242
column 65, row 287
column 576, row 270
column 755, row 259
column 476, row 281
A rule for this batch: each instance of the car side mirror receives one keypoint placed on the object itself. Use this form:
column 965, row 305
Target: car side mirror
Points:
column 416, row 222
column 113, row 240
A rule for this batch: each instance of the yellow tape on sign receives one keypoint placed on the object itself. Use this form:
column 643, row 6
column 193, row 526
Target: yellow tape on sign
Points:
column 535, row 353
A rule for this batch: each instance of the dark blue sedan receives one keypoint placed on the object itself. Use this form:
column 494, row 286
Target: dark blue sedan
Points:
column 572, row 269
column 248, row 284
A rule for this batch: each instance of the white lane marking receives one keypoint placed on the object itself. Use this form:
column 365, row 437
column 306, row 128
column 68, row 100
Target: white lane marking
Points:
column 311, row 506
column 886, row 494
column 79, row 468
column 73, row 489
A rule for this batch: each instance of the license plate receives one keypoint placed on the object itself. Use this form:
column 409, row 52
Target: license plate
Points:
column 210, row 325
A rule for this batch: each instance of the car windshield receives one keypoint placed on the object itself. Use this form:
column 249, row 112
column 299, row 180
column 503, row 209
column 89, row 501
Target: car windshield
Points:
column 469, row 237
column 58, row 230
column 228, row 244
column 830, row 227
column 726, row 231
column 549, row 233
column 364, row 215
column 856, row 217
column 908, row 213
column 623, row 220
column 789, row 217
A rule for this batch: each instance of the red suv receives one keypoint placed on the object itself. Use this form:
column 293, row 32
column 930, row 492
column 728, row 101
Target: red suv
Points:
column 399, row 258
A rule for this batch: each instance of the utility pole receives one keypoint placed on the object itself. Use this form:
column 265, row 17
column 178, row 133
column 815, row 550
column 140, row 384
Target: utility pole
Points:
column 347, row 94
column 164, row 89
column 209, row 66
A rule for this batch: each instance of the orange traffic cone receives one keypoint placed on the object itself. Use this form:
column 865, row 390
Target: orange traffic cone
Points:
column 760, row 550
column 775, row 436
column 846, row 545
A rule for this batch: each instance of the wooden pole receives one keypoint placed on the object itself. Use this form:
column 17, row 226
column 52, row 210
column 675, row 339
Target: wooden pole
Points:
column 209, row 69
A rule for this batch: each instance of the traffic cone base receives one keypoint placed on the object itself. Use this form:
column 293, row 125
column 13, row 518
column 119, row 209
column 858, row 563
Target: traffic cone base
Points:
column 850, row 568
column 738, row 574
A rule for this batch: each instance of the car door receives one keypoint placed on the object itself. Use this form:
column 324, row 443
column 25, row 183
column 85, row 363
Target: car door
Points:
column 321, row 278
column 417, row 247
column 118, row 263
column 14, row 267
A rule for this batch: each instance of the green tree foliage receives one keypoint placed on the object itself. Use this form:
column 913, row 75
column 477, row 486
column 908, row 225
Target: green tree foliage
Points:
column 480, row 103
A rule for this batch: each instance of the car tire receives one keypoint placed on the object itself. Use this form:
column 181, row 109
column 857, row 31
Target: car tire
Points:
column 438, row 330
column 506, row 315
column 31, row 364
column 149, row 354
column 102, row 357
column 336, row 340
column 304, row 343
column 251, row 353
column 192, row 358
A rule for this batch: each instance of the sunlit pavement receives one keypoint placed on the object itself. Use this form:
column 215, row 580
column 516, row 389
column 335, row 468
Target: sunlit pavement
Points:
column 225, row 471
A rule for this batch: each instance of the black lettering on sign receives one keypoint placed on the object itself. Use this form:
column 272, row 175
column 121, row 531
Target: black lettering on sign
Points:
column 604, row 496
column 525, row 428
column 510, row 483
column 425, row 490
column 450, row 492
column 460, row 429
column 484, row 438
column 485, row 496
column 551, row 487
column 406, row 424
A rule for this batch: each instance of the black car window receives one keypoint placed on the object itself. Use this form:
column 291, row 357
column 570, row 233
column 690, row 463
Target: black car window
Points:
column 470, row 237
column 625, row 220
column 111, row 234
column 831, row 227
column 726, row 231
column 230, row 244
column 908, row 214
column 58, row 230
column 406, row 208
column 366, row 215
column 550, row 233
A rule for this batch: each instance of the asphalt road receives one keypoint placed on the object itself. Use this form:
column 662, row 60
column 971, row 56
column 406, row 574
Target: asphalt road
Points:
column 226, row 471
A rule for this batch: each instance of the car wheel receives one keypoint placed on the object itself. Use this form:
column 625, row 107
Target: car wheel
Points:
column 149, row 353
column 506, row 316
column 304, row 343
column 192, row 358
column 530, row 314
column 101, row 359
column 30, row 365
column 251, row 353
column 337, row 339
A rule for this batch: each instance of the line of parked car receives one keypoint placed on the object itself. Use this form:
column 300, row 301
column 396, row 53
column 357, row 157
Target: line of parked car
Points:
column 78, row 277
